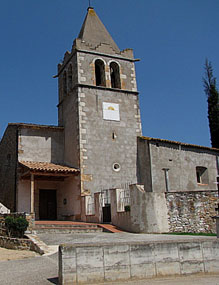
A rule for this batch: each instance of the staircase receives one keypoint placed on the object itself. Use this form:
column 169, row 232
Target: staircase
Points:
column 65, row 227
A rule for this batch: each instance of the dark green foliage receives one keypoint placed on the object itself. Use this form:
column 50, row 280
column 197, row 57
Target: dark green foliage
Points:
column 16, row 227
column 127, row 208
column 213, row 103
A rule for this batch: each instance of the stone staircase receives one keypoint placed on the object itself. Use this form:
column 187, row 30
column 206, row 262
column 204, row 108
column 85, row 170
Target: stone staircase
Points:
column 65, row 227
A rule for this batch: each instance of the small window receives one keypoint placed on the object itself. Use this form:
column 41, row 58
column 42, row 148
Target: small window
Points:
column 116, row 167
column 202, row 175
column 64, row 84
column 69, row 77
column 114, row 136
column 100, row 73
column 115, row 75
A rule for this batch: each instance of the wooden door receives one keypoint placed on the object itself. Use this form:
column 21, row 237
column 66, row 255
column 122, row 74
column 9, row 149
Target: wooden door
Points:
column 47, row 205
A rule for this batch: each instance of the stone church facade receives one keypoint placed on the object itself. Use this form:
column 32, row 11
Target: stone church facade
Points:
column 81, row 169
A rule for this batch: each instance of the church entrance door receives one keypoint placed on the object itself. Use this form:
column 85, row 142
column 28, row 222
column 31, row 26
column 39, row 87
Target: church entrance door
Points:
column 47, row 205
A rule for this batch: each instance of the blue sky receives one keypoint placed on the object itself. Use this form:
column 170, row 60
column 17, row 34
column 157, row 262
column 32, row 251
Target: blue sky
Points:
column 171, row 37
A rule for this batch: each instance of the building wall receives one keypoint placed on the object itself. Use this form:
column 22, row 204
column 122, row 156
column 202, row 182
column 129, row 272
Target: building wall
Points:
column 192, row 211
column 8, row 164
column 144, row 164
column 41, row 145
column 99, row 151
column 181, row 161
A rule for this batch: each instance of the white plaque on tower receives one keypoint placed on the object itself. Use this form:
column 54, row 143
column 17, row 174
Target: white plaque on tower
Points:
column 111, row 111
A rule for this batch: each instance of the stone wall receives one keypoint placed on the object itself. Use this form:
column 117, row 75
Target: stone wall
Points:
column 192, row 211
column 15, row 243
column 8, row 163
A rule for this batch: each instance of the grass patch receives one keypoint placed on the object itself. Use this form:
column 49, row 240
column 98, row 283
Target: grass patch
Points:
column 193, row 234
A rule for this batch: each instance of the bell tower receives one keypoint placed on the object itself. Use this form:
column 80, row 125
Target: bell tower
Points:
column 99, row 109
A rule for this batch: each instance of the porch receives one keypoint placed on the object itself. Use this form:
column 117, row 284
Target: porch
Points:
column 51, row 191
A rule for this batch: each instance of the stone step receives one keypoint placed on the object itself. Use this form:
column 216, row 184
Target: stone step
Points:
column 38, row 226
column 67, row 230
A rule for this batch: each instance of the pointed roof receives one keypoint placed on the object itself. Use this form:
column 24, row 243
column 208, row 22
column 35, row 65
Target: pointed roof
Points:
column 94, row 33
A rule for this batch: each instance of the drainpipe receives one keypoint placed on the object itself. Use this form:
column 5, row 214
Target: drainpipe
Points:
column 166, row 179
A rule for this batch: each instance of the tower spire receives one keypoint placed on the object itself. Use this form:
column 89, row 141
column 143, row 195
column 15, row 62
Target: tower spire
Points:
column 94, row 33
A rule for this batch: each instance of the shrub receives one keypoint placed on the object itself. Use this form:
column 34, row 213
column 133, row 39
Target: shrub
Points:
column 16, row 226
column 127, row 208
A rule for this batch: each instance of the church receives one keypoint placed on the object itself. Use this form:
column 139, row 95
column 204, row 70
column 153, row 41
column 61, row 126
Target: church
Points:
column 96, row 166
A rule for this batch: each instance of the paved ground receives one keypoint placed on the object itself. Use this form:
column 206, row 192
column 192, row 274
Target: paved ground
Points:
column 9, row 254
column 44, row 269
column 37, row 270
column 188, row 280
column 57, row 238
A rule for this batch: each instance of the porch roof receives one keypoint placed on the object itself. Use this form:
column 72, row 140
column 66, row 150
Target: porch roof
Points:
column 47, row 168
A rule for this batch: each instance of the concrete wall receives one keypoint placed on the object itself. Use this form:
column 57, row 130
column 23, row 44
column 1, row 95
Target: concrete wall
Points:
column 148, row 212
column 95, row 263
column 8, row 164
column 181, row 160
column 41, row 144
column 192, row 211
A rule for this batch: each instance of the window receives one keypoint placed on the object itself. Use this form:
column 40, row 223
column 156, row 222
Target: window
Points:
column 202, row 175
column 100, row 73
column 64, row 84
column 69, row 77
column 115, row 75
column 116, row 167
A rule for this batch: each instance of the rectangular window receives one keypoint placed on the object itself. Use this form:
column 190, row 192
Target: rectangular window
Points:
column 202, row 175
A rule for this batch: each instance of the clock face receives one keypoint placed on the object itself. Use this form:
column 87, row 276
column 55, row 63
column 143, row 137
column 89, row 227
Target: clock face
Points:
column 111, row 111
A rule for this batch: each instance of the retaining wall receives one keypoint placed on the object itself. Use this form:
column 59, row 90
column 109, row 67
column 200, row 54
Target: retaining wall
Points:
column 192, row 211
column 87, row 263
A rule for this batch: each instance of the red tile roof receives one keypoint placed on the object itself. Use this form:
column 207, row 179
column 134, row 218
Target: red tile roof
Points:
column 48, row 167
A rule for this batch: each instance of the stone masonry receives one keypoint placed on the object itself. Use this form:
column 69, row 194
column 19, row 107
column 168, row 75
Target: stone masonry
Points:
column 192, row 211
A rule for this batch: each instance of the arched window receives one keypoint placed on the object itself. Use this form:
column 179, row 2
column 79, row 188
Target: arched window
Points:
column 100, row 73
column 64, row 84
column 115, row 75
column 69, row 77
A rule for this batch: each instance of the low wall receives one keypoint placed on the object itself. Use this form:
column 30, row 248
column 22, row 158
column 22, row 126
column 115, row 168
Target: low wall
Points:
column 87, row 263
column 15, row 243
column 148, row 212
column 192, row 211
column 20, row 244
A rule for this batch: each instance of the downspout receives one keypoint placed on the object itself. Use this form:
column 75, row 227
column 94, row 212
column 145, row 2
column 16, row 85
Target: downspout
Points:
column 166, row 179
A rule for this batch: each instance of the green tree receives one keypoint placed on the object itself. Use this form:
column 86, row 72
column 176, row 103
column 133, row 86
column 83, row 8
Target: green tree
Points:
column 213, row 103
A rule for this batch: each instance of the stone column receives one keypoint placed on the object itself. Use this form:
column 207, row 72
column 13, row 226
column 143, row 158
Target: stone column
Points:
column 32, row 193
